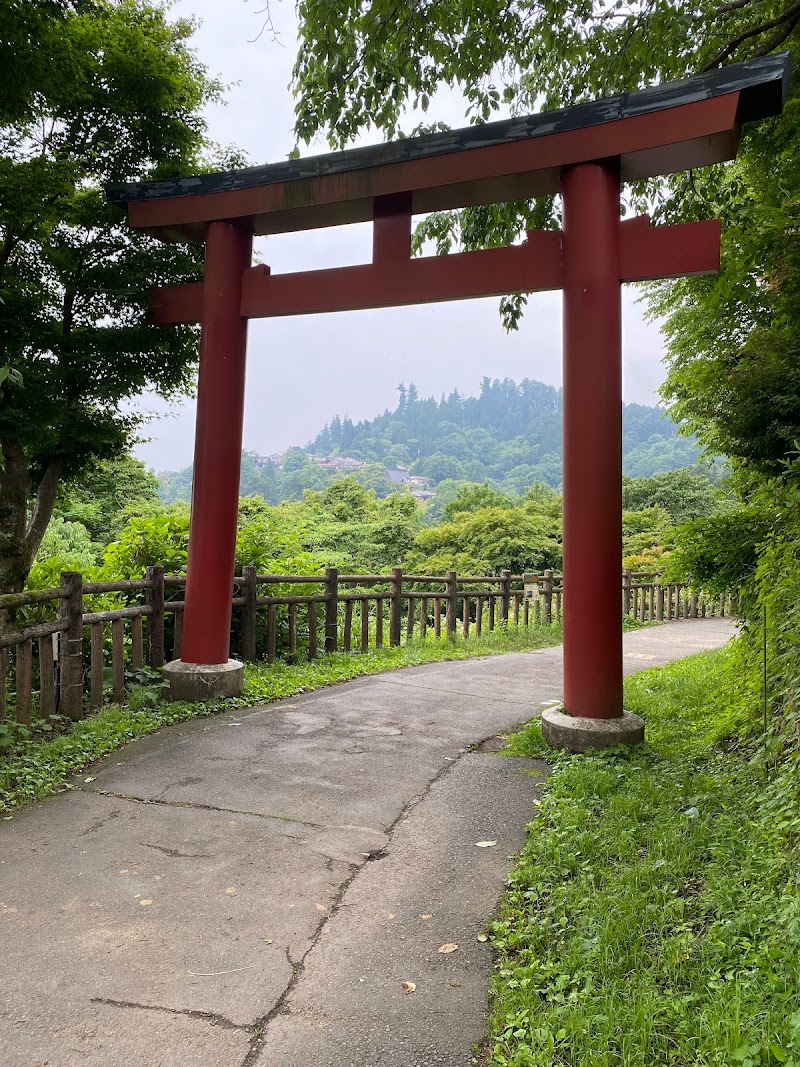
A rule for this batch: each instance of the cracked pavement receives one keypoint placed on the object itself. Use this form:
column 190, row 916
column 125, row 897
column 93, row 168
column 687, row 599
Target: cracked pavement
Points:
column 251, row 890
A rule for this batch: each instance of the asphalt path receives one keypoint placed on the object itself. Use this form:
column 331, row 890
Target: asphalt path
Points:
column 273, row 888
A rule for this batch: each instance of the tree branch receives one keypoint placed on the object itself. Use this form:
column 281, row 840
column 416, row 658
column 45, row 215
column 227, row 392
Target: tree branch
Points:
column 43, row 507
column 790, row 15
column 735, row 5
column 12, row 240
column 777, row 38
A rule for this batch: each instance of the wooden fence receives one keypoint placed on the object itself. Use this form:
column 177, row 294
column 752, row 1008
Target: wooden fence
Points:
column 76, row 659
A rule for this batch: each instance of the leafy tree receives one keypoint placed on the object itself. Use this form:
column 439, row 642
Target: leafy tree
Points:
column 684, row 494
column 488, row 540
column 106, row 495
column 91, row 92
column 175, row 485
column 373, row 477
column 149, row 541
column 473, row 497
column 644, row 532
column 71, row 543
column 347, row 526
column 361, row 66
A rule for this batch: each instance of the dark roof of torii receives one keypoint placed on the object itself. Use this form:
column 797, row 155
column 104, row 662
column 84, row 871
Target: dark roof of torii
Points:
column 658, row 130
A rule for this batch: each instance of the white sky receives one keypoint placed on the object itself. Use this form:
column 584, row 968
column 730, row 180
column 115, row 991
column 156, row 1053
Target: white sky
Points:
column 303, row 371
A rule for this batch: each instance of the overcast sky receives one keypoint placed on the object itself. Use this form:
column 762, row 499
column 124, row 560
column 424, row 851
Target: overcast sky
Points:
column 303, row 371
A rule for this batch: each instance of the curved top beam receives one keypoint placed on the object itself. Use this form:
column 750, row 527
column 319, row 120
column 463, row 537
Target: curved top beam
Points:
column 659, row 130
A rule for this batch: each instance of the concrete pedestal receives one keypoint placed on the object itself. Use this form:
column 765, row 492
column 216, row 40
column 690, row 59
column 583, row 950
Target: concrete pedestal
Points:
column 577, row 734
column 196, row 682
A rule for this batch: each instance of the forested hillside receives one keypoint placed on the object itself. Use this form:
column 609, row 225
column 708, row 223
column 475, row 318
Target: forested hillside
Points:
column 510, row 435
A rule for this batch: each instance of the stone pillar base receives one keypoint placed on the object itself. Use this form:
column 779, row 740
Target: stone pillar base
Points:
column 197, row 682
column 585, row 735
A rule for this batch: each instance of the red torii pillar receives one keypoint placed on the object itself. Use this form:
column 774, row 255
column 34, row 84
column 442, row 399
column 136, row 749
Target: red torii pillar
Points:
column 592, row 465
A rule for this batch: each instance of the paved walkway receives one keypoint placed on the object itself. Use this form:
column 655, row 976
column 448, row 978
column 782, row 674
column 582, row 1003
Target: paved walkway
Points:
column 253, row 890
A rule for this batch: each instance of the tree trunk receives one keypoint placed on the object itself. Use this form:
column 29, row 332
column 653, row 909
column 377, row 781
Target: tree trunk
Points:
column 22, row 530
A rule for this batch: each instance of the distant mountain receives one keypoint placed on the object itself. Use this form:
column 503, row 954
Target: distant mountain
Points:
column 510, row 435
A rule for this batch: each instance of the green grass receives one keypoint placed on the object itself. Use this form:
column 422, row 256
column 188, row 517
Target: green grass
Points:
column 653, row 917
column 35, row 767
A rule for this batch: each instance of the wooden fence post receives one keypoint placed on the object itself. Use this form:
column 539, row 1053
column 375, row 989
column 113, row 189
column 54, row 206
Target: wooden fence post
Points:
column 452, row 597
column 547, row 598
column 660, row 603
column 396, row 607
column 249, row 614
column 70, row 658
column 155, row 621
column 331, row 609
column 505, row 596
column 626, row 591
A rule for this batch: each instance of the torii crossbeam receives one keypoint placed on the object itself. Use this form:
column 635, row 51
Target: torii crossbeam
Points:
column 584, row 153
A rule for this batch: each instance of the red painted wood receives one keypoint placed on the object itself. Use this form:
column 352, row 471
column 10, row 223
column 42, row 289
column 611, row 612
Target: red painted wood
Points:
column 689, row 135
column 647, row 252
column 491, row 272
column 592, row 399
column 173, row 304
column 391, row 228
column 218, row 446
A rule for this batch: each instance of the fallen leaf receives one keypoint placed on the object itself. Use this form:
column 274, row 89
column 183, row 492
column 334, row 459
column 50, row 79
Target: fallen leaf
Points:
column 483, row 937
column 409, row 987
column 231, row 891
column 485, row 844
column 88, row 779
column 454, row 983
column 448, row 948
column 426, row 917
column 144, row 903
column 321, row 907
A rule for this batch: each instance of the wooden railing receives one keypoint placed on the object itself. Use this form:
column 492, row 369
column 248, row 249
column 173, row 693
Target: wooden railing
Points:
column 79, row 658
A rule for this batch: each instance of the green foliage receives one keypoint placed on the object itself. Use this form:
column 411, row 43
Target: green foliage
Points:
column 360, row 67
column 273, row 546
column 71, row 542
column 489, row 539
column 720, row 552
column 348, row 526
column 472, row 498
column 653, row 915
column 482, row 530
column 109, row 91
column 733, row 362
column 106, row 495
column 683, row 494
column 158, row 540
column 644, row 531
column 34, row 766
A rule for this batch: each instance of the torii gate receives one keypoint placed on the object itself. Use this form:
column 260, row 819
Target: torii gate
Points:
column 583, row 153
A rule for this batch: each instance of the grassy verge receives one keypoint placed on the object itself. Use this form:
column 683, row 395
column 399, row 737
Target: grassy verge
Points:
column 653, row 917
column 34, row 767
